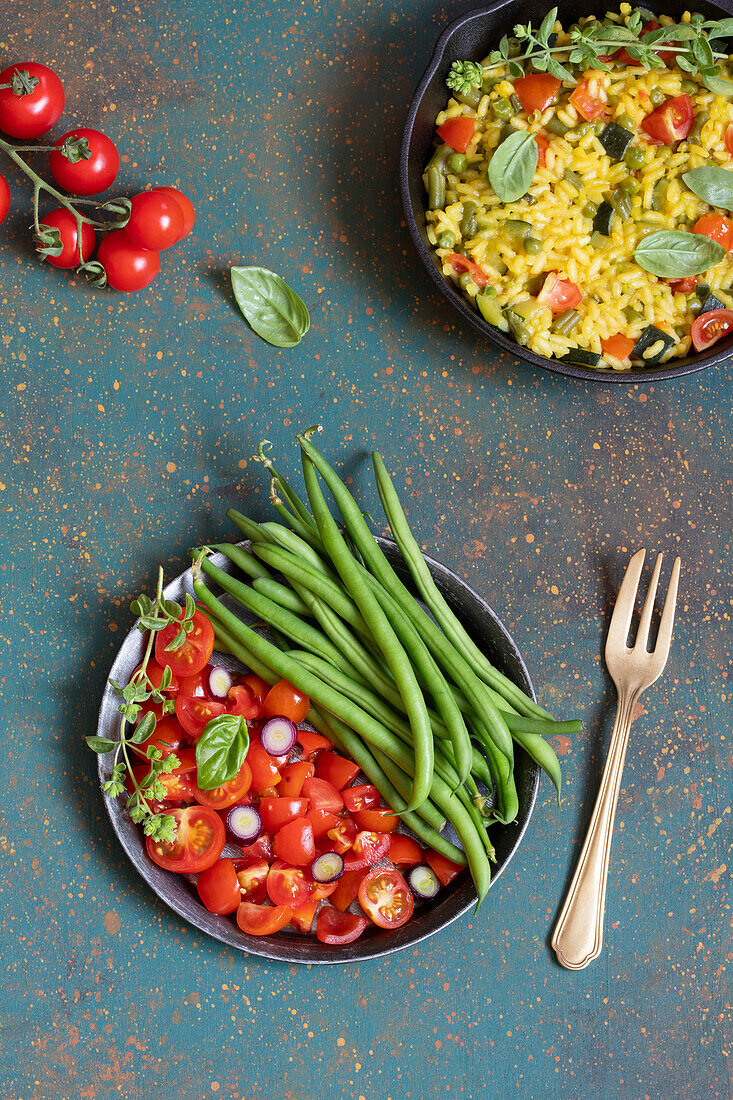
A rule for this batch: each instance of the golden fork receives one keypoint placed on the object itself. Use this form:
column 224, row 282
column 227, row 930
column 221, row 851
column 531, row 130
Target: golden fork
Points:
column 578, row 935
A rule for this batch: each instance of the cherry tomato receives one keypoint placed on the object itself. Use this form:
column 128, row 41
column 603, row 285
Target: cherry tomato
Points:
column 262, row 920
column 342, row 835
column 178, row 788
column 386, row 898
column 154, row 674
column 229, row 794
column 717, row 227
column 683, row 286
column 63, row 220
column 537, row 91
column 618, row 346
column 187, row 210
column 218, row 887
column 4, row 199
column 671, row 122
column 241, row 700
column 336, row 770
column 404, row 851
column 322, row 795
column 284, row 700
column 195, row 686
column 367, row 849
column 559, row 294
column 265, row 772
column 276, row 812
column 253, row 880
column 194, row 713
column 543, row 144
column 294, row 843
column 336, row 928
column 457, row 132
column 381, row 820
column 90, row 176
column 287, row 885
column 710, row 327
column 128, row 267
column 303, row 916
column 311, row 742
column 257, row 685
column 321, row 821
column 166, row 736
column 260, row 849
column 293, row 777
column 586, row 98
column 444, row 868
column 347, row 889
column 29, row 116
column 186, row 761
column 195, row 652
column 365, row 797
column 156, row 221
column 461, row 264
column 198, row 844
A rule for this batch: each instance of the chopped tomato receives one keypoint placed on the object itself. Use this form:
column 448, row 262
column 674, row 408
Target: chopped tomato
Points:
column 293, row 776
column 186, row 761
column 243, row 701
column 404, row 851
column 260, row 848
column 218, row 887
column 586, row 98
column 321, row 821
column 320, row 890
column 194, row 713
column 365, row 797
column 536, row 91
column 256, row 685
column 618, row 346
column 559, row 294
column 166, row 736
column 294, row 843
column 386, row 898
column 666, row 55
column 229, row 793
column 265, row 772
column 287, row 885
column 178, row 787
column 252, row 880
column 336, row 770
column 197, row 686
column 302, row 917
column 342, row 835
column 710, row 327
column 368, row 847
column 276, row 812
column 671, row 122
column 200, row 836
column 195, row 652
column 461, row 264
column 717, row 227
column 347, row 889
column 381, row 820
column 322, row 795
column 311, row 742
column 457, row 132
column 543, row 144
column 444, row 868
column 284, row 700
column 262, row 920
column 683, row 286
column 336, row 928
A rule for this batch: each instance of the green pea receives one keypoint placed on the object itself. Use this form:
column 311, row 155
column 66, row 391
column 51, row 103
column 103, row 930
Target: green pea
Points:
column 532, row 246
column 457, row 163
column 464, row 280
column 589, row 210
column 689, row 87
column 446, row 240
column 502, row 109
column 627, row 122
column 657, row 97
column 489, row 292
column 629, row 186
column 634, row 157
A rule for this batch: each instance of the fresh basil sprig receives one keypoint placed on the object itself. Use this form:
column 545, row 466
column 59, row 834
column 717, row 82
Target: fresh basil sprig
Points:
column 713, row 185
column 672, row 254
column 512, row 167
column 273, row 309
column 220, row 750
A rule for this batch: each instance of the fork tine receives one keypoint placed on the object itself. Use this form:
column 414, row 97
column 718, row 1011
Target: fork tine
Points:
column 664, row 637
column 618, row 631
column 642, row 635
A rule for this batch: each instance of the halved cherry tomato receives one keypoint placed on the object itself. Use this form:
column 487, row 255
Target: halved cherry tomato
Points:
column 347, row 889
column 196, row 686
column 256, row 685
column 166, row 736
column 262, row 920
column 559, row 294
column 381, row 820
column 368, row 847
column 154, row 673
column 321, row 821
column 276, row 812
column 536, row 91
column 252, row 880
column 342, row 835
column 243, row 701
column 303, row 916
column 336, row 928
column 195, row 652
column 284, row 700
column 461, row 264
column 265, row 772
column 444, row 868
column 717, row 227
column 311, row 742
column 320, row 890
column 618, row 346
column 404, row 851
column 336, row 770
column 194, row 713
column 294, row 843
column 543, row 144
column 287, row 885
column 229, row 793
column 710, row 327
column 365, row 797
column 683, row 286
column 457, row 132
column 178, row 787
column 386, row 898
column 198, row 844
column 671, row 122
column 186, row 761
column 218, row 887
column 729, row 139
column 322, row 795
column 586, row 98
column 293, row 776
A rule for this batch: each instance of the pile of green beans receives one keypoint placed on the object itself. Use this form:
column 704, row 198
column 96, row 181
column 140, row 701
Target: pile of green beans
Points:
column 399, row 687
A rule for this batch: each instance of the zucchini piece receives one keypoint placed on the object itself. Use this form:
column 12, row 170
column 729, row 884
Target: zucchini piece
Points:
column 711, row 302
column 702, row 290
column 573, row 179
column 649, row 337
column 491, row 311
column 659, row 195
column 603, row 219
column 615, row 140
column 579, row 357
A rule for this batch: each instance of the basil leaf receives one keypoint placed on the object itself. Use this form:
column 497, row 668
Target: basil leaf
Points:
column 674, row 254
column 100, row 745
column 220, row 750
column 273, row 309
column 512, row 167
column 713, row 185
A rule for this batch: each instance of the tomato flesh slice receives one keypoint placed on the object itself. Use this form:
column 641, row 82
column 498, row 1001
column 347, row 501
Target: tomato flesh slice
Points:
column 194, row 712
column 294, row 843
column 381, row 820
column 347, row 889
column 252, row 879
column 536, row 91
column 287, row 885
column 618, row 346
column 368, row 847
column 293, row 776
column 444, row 868
column 462, row 265
column 285, row 701
column 386, row 898
column 364, row 797
column 671, row 122
column 262, row 920
column 276, row 812
column 404, row 851
column 336, row 928
column 322, row 795
column 264, row 768
column 559, row 294
column 229, row 794
column 336, row 770
column 717, row 227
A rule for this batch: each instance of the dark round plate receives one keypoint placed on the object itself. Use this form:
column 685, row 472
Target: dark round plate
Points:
column 472, row 36
column 180, row 894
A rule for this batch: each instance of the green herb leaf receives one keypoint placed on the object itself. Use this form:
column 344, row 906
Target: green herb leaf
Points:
column 546, row 26
column 273, row 309
column 177, row 642
column 220, row 750
column 144, row 730
column 672, row 254
column 172, row 608
column 718, row 85
column 512, row 167
column 190, row 605
column 167, row 678
column 100, row 745
column 713, row 185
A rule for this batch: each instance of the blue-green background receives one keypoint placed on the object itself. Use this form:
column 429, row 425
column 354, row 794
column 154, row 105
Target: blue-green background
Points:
column 127, row 429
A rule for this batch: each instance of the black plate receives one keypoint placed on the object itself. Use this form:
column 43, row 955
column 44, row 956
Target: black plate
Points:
column 178, row 893
column 472, row 36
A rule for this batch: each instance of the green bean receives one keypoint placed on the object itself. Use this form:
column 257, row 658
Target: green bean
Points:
column 248, row 527
column 468, row 221
column 242, row 652
column 700, row 119
column 395, row 657
column 439, row 158
column 532, row 246
column 436, row 188
column 565, row 322
column 657, row 96
column 294, row 567
column 281, row 594
column 589, row 210
column 502, row 776
column 582, row 129
column 543, row 754
column 430, row 814
column 294, row 522
column 556, row 127
column 632, row 314
column 289, row 493
column 621, row 202
column 519, row 724
column 457, row 163
column 242, row 559
column 598, row 240
column 573, row 179
column 689, row 87
column 446, row 239
column 634, row 157
column 502, row 109
column 288, row 540
column 516, row 103
column 516, row 228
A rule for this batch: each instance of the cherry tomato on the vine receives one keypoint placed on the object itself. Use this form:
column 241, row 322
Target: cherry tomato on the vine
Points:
column 91, row 175
column 4, row 199
column 63, row 220
column 189, row 214
column 156, row 220
column 29, row 116
column 128, row 267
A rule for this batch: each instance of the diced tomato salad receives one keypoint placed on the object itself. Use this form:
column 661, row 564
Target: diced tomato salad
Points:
column 311, row 804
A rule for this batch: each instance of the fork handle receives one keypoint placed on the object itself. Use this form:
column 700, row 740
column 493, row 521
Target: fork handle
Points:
column 578, row 935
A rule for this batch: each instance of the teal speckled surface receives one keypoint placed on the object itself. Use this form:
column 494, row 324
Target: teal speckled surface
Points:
column 127, row 429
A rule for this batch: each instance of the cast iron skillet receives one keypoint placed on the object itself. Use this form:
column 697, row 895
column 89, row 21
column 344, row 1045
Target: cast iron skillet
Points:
column 180, row 894
column 471, row 37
